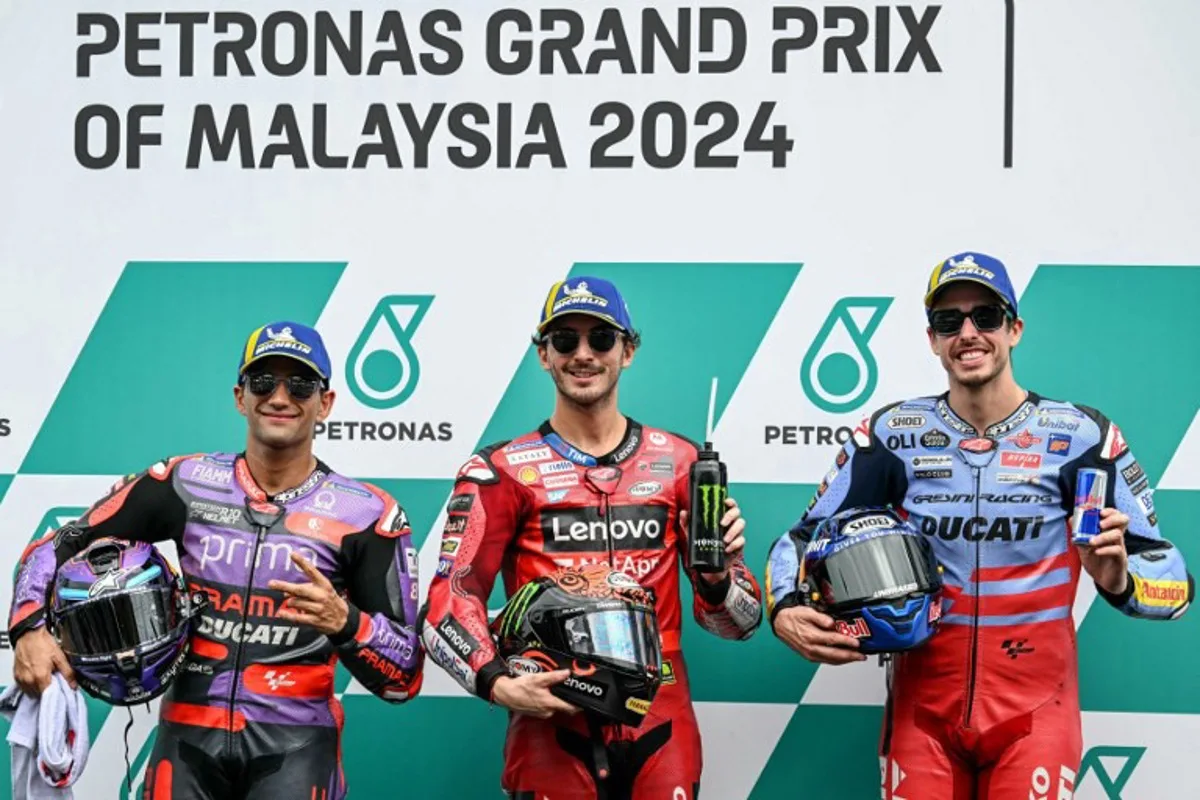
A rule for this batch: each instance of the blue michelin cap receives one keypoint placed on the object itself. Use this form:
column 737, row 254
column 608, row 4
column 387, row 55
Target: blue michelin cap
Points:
column 593, row 296
column 289, row 339
column 977, row 268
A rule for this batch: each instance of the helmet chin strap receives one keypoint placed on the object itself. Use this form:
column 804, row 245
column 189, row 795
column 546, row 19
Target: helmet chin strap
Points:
column 599, row 754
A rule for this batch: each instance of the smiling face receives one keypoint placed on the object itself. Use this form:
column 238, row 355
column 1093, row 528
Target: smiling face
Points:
column 585, row 374
column 278, row 419
column 971, row 357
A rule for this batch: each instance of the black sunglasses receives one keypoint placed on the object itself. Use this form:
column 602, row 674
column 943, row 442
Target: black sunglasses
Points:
column 949, row 321
column 298, row 386
column 566, row 340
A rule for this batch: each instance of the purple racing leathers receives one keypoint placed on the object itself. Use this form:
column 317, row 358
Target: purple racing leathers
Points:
column 253, row 712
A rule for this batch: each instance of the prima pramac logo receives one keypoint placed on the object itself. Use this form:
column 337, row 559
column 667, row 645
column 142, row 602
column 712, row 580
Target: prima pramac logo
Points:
column 382, row 369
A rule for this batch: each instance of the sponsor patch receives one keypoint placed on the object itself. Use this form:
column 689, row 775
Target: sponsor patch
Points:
column 645, row 488
column 450, row 546
column 930, row 474
column 932, row 461
column 935, row 440
column 555, row 467
column 460, row 503
column 555, row 481
column 1021, row 460
column 512, row 448
column 1161, row 594
column 1058, row 443
column 556, row 495
column 444, row 566
column 1024, row 439
column 903, row 421
column 1133, row 473
column 582, row 530
column 657, row 438
column 526, row 456
column 1017, row 477
column 455, row 525
column 527, row 475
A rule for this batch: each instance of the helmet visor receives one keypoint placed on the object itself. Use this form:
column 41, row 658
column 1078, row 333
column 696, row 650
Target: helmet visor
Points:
column 117, row 622
column 878, row 567
column 624, row 638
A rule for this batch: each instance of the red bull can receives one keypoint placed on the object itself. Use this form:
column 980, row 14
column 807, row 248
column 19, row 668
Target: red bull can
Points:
column 1091, row 487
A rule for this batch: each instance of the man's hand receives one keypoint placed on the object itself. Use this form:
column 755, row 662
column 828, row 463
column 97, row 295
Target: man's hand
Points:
column 315, row 604
column 530, row 693
column 37, row 656
column 734, row 540
column 1105, row 558
column 811, row 634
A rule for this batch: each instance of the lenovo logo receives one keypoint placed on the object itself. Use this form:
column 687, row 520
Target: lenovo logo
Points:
column 640, row 527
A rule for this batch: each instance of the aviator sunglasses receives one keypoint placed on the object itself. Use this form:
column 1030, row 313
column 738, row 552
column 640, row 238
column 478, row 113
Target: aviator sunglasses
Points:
column 566, row 340
column 949, row 321
column 298, row 386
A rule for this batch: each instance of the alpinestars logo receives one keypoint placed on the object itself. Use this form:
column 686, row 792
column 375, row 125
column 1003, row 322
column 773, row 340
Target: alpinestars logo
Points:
column 382, row 372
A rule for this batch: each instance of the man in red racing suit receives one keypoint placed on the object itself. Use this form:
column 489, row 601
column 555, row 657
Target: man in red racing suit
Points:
column 988, row 709
column 524, row 507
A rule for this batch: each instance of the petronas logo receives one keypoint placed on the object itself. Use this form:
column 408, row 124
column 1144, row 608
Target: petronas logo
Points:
column 382, row 369
column 839, row 372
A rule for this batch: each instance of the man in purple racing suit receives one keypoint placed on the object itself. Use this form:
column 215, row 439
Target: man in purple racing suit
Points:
column 302, row 568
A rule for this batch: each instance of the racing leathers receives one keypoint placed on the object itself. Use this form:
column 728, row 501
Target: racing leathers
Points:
column 989, row 706
column 524, row 507
column 253, row 712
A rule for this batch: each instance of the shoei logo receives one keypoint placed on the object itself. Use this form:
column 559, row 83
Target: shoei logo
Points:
column 382, row 368
column 838, row 373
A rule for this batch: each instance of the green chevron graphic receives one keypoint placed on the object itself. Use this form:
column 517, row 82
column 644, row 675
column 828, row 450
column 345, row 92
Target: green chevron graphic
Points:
column 155, row 375
column 1096, row 335
column 698, row 322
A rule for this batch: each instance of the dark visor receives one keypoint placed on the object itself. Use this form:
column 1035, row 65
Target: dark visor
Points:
column 111, row 624
column 625, row 638
column 876, row 569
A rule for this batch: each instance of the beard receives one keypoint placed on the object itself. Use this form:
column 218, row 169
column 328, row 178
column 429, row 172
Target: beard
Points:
column 975, row 379
column 587, row 397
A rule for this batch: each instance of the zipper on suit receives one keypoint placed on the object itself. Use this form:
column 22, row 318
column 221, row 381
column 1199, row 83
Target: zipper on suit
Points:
column 974, row 649
column 260, row 534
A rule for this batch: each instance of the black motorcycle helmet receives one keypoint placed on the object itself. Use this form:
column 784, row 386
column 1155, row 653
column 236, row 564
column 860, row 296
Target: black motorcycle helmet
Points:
column 598, row 623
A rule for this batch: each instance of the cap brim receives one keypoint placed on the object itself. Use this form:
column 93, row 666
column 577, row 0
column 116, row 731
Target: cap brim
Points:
column 595, row 314
column 292, row 356
column 964, row 279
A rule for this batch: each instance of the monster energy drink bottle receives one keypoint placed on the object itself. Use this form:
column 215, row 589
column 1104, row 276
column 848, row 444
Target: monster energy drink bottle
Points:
column 706, row 536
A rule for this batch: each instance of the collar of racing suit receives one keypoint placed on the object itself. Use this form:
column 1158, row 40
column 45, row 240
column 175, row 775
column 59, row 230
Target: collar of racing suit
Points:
column 1021, row 413
column 622, row 452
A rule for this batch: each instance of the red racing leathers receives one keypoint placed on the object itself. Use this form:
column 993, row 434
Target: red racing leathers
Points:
column 989, row 707
column 522, row 508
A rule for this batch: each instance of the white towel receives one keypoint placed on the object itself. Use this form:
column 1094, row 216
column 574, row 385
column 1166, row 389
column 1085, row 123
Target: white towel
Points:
column 48, row 740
